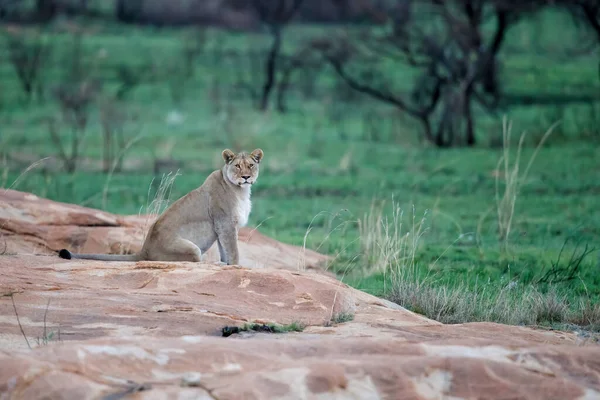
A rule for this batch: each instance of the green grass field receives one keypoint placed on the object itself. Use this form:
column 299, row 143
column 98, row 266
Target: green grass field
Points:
column 327, row 161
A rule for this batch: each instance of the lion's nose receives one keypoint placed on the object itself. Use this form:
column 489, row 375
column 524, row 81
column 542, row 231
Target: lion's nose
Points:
column 246, row 177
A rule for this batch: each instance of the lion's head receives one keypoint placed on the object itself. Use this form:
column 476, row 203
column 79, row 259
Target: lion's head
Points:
column 242, row 169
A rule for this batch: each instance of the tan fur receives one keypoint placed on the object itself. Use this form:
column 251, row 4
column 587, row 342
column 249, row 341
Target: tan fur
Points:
column 212, row 212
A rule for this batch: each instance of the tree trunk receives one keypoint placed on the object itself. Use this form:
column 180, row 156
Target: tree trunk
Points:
column 444, row 135
column 427, row 133
column 271, row 69
column 468, row 117
column 284, row 85
column 45, row 10
column 129, row 11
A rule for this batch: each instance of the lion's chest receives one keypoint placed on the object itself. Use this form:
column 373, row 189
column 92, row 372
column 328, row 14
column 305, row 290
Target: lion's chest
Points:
column 242, row 211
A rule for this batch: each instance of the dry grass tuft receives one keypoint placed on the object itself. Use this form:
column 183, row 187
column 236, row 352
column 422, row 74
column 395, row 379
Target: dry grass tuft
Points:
column 506, row 199
column 161, row 199
column 388, row 244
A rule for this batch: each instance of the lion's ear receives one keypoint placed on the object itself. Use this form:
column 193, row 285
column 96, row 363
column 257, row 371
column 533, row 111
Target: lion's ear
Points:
column 228, row 155
column 257, row 155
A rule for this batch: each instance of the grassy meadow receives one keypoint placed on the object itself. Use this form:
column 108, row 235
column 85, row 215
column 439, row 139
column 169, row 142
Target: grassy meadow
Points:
column 446, row 233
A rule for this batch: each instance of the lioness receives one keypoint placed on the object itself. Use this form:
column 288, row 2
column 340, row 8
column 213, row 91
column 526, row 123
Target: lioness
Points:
column 190, row 226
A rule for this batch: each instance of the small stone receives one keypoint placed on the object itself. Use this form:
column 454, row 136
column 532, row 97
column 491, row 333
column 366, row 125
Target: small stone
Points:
column 191, row 379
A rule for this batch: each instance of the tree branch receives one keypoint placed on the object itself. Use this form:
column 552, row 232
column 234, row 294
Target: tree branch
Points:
column 375, row 93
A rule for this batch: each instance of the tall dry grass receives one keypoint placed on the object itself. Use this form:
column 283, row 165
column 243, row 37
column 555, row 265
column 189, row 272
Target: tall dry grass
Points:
column 160, row 201
column 506, row 196
column 508, row 303
column 390, row 245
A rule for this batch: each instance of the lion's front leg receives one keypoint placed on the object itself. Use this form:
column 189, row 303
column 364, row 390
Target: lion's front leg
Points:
column 227, row 237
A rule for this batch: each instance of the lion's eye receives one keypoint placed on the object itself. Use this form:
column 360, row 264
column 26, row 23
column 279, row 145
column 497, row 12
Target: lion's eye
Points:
column 238, row 166
column 251, row 166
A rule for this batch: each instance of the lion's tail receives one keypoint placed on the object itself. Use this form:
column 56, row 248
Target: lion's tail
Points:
column 67, row 255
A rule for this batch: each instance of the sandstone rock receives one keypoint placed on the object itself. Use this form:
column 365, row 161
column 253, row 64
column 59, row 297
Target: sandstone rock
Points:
column 159, row 325
column 152, row 330
column 92, row 299
column 197, row 367
column 33, row 225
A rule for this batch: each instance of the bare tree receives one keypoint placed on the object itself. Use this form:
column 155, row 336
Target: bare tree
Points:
column 75, row 101
column 444, row 44
column 303, row 59
column 75, row 95
column 118, row 123
column 275, row 15
column 28, row 52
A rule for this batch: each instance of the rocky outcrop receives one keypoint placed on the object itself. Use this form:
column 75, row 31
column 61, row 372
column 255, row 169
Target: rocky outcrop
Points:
column 198, row 367
column 154, row 330
column 33, row 225
column 100, row 329
column 91, row 299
